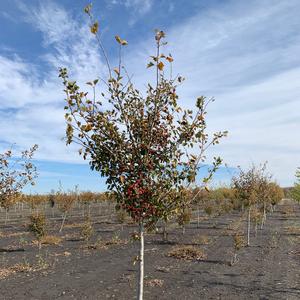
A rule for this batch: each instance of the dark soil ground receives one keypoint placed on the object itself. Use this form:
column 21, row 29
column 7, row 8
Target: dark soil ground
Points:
column 268, row 269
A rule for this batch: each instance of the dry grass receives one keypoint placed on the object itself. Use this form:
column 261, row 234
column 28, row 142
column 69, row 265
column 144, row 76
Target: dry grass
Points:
column 65, row 253
column 287, row 211
column 293, row 230
column 227, row 232
column 5, row 272
column 13, row 234
column 105, row 244
column 51, row 240
column 202, row 240
column 17, row 268
column 187, row 253
column 154, row 282
column 22, row 268
column 72, row 236
column 74, row 225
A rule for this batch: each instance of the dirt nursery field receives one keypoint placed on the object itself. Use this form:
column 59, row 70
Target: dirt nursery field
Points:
column 194, row 265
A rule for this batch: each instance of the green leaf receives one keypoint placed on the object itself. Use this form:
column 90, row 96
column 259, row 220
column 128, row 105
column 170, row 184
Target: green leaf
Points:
column 150, row 64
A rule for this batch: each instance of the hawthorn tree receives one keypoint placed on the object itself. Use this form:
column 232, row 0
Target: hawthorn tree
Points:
column 255, row 190
column 269, row 193
column 15, row 174
column 276, row 194
column 148, row 147
column 263, row 192
column 245, row 185
column 37, row 226
column 295, row 193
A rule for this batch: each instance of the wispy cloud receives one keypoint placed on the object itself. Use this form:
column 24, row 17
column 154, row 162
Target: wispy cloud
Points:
column 31, row 105
column 73, row 45
column 136, row 8
column 246, row 56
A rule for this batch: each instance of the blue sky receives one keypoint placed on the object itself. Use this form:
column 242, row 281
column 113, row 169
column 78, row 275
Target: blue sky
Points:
column 244, row 53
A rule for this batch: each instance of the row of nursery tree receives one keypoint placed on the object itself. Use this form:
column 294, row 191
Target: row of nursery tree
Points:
column 252, row 193
column 148, row 147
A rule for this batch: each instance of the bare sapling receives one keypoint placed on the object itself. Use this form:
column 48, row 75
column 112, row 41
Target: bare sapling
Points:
column 65, row 203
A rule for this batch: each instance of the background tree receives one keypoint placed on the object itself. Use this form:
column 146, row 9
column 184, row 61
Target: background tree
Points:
column 37, row 226
column 245, row 185
column 65, row 202
column 199, row 197
column 263, row 192
column 86, row 197
column 276, row 194
column 144, row 145
column 15, row 174
column 295, row 193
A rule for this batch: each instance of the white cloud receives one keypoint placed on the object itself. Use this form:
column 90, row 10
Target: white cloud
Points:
column 136, row 8
column 32, row 107
column 139, row 6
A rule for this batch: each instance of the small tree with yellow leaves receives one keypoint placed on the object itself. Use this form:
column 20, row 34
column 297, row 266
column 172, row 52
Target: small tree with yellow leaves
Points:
column 15, row 174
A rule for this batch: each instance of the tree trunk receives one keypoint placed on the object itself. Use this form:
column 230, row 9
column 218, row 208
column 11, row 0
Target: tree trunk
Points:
column 63, row 222
column 165, row 233
column 248, row 227
column 263, row 217
column 198, row 217
column 256, row 228
column 6, row 215
column 141, row 259
column 233, row 259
